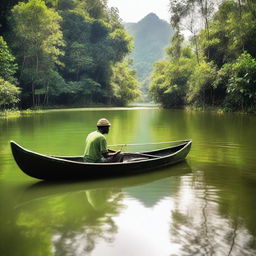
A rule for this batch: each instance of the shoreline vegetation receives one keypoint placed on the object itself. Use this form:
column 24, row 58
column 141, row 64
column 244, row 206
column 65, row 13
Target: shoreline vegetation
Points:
column 217, row 66
column 80, row 57
column 15, row 113
column 71, row 52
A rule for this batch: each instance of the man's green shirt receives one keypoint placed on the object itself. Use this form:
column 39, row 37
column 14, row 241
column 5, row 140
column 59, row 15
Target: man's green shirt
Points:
column 95, row 145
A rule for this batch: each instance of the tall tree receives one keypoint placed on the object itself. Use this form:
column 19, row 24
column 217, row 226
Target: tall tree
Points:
column 180, row 10
column 225, row 74
column 95, row 41
column 170, row 77
column 124, row 83
column 37, row 40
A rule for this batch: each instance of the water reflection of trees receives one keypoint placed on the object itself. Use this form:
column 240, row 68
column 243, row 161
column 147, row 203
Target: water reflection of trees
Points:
column 211, row 221
column 50, row 219
column 69, row 224
column 217, row 138
column 220, row 218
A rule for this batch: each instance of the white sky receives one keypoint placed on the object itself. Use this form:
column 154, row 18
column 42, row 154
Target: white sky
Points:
column 135, row 10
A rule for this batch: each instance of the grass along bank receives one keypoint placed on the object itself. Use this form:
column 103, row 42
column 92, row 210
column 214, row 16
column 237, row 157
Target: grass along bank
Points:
column 14, row 113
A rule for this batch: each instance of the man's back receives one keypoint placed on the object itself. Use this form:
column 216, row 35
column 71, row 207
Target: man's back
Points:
column 95, row 145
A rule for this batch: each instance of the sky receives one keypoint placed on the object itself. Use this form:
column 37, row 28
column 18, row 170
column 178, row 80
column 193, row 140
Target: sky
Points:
column 135, row 10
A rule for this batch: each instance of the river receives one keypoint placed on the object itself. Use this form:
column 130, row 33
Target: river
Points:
column 204, row 206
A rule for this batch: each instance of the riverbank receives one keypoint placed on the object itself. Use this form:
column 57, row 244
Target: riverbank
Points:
column 13, row 113
column 206, row 109
column 219, row 110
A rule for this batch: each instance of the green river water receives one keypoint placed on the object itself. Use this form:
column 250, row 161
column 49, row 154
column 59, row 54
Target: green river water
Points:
column 204, row 206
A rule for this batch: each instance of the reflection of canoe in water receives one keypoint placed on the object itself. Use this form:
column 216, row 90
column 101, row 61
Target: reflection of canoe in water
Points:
column 44, row 189
column 57, row 167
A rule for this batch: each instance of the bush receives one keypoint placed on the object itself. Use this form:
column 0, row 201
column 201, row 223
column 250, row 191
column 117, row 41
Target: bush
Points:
column 124, row 84
column 9, row 94
column 241, row 87
column 200, row 84
column 169, row 81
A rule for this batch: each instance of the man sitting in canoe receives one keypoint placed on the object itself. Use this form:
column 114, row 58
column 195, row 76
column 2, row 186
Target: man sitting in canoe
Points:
column 96, row 150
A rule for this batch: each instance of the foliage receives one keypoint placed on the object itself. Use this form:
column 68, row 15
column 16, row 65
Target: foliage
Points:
column 175, row 50
column 65, row 50
column 37, row 39
column 9, row 94
column 169, row 80
column 93, row 45
column 7, row 65
column 38, row 30
column 224, row 74
column 200, row 84
column 84, row 91
column 241, row 86
column 124, row 83
column 231, row 32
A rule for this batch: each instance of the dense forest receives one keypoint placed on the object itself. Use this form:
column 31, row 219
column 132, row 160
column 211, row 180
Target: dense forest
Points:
column 63, row 52
column 217, row 67
column 75, row 53
column 151, row 35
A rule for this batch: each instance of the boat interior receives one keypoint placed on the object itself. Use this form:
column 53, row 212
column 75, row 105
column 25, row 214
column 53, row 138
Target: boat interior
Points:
column 136, row 156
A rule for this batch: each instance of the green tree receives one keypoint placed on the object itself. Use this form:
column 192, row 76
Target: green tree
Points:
column 82, row 92
column 95, row 41
column 91, row 36
column 9, row 93
column 169, row 79
column 231, row 32
column 200, row 84
column 124, row 83
column 175, row 50
column 241, row 87
column 7, row 65
column 37, row 39
column 224, row 75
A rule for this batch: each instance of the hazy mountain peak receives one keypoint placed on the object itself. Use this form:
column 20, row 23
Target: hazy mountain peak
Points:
column 150, row 17
column 151, row 35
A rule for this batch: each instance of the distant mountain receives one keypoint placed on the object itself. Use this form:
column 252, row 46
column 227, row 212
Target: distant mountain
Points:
column 151, row 35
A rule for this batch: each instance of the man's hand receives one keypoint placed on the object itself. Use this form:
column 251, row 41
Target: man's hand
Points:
column 111, row 153
column 117, row 152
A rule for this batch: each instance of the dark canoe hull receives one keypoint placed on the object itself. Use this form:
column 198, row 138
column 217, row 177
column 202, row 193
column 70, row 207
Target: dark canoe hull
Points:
column 58, row 168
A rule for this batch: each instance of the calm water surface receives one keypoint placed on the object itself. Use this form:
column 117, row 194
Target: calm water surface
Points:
column 204, row 206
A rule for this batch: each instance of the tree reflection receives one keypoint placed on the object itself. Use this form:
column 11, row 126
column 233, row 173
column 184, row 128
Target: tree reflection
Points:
column 202, row 226
column 50, row 219
column 70, row 224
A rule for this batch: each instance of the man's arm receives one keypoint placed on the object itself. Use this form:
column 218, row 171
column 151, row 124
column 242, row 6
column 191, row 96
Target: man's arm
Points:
column 112, row 153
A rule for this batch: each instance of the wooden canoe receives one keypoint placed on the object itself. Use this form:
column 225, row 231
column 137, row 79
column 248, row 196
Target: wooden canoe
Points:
column 48, row 167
